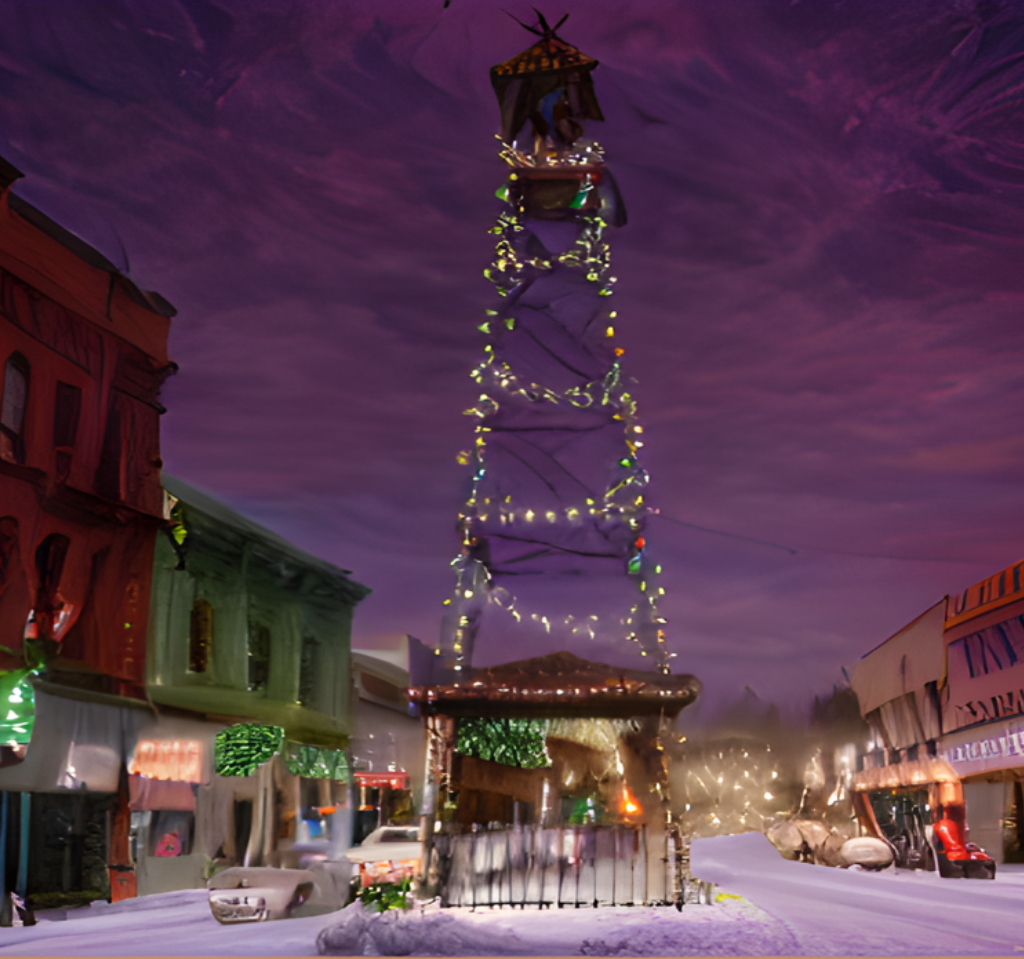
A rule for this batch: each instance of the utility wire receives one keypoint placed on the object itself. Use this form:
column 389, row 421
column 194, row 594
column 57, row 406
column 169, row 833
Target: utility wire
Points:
column 820, row 549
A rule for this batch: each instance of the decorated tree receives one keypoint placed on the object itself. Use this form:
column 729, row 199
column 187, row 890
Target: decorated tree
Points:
column 553, row 540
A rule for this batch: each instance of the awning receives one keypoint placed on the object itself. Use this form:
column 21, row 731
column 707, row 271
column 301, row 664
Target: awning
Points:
column 175, row 749
column 918, row 772
column 75, row 744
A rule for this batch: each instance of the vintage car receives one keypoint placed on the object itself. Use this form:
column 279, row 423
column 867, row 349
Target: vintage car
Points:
column 259, row 893
column 388, row 854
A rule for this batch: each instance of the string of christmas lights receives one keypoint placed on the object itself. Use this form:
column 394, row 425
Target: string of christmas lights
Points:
column 551, row 379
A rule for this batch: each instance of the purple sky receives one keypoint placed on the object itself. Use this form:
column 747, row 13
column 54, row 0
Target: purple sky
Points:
column 820, row 288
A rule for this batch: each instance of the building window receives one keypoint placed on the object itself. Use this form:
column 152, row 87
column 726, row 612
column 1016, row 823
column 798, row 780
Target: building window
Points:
column 993, row 649
column 8, row 551
column 170, row 833
column 259, row 656
column 50, row 556
column 67, row 408
column 12, row 410
column 308, row 665
column 109, row 479
column 200, row 636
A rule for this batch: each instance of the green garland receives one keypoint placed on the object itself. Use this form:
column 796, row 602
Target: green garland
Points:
column 17, row 707
column 512, row 742
column 312, row 762
column 239, row 750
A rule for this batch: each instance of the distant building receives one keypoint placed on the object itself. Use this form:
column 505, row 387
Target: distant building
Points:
column 947, row 693
column 983, row 706
column 83, row 355
column 249, row 667
column 389, row 741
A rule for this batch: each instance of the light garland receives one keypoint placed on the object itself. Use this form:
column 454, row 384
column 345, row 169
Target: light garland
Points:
column 551, row 372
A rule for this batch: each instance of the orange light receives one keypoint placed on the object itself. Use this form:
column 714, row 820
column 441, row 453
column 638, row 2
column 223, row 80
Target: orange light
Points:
column 628, row 803
column 170, row 759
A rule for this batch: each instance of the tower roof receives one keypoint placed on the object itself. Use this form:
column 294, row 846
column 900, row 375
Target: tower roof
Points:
column 548, row 55
column 550, row 64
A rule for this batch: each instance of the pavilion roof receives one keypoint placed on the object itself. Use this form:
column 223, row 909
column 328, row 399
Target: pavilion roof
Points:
column 559, row 684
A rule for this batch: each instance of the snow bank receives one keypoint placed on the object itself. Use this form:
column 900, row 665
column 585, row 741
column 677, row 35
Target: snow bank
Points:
column 728, row 928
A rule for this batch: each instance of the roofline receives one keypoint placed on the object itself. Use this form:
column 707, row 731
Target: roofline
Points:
column 84, row 250
column 216, row 510
column 903, row 629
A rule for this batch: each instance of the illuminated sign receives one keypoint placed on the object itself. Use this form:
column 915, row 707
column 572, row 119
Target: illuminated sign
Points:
column 1007, row 746
column 398, row 780
column 169, row 759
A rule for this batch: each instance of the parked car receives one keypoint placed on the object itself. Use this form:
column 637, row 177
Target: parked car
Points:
column 388, row 854
column 255, row 894
column 259, row 893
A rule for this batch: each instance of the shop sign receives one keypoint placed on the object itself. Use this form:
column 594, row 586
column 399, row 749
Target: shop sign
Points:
column 1008, row 745
column 398, row 780
column 989, row 708
column 170, row 759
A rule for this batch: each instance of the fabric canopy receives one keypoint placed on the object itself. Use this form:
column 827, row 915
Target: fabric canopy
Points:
column 75, row 744
column 904, row 663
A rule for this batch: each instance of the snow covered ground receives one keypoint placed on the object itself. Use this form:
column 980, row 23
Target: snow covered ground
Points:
column 787, row 909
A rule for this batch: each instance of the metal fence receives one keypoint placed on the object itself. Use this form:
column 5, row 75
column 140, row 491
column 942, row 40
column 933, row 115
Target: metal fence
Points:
column 532, row 866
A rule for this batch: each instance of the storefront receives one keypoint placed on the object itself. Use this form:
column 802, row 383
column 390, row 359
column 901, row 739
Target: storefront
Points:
column 277, row 802
column 918, row 808
column 990, row 761
column 983, row 708
column 66, row 795
column 382, row 799
column 173, row 803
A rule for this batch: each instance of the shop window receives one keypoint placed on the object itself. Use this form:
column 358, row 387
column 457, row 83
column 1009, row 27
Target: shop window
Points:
column 13, row 407
column 309, row 662
column 200, row 636
column 259, row 656
column 67, row 409
column 170, row 833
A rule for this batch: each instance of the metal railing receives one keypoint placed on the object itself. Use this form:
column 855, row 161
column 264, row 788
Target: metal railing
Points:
column 533, row 866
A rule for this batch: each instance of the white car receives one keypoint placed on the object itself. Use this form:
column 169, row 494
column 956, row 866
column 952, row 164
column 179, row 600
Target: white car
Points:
column 259, row 893
column 255, row 894
column 388, row 854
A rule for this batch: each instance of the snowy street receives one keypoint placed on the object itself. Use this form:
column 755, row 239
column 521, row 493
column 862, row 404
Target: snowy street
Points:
column 846, row 912
column 786, row 909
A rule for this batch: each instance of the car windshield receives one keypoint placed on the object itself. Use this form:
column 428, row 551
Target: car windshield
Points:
column 398, row 835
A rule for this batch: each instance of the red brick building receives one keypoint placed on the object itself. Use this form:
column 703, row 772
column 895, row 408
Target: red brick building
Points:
column 83, row 354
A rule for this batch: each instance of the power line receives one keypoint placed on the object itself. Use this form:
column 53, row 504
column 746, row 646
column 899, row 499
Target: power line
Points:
column 794, row 551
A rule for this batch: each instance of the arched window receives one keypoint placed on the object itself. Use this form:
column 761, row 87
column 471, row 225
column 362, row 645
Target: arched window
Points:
column 50, row 556
column 12, row 408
